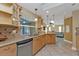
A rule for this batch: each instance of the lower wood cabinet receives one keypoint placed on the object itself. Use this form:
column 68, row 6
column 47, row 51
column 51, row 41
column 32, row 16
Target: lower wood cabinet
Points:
column 38, row 43
column 8, row 50
column 50, row 38
column 35, row 45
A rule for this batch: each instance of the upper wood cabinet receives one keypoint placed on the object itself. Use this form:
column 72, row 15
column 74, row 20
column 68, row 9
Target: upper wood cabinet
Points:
column 5, row 18
column 39, row 22
column 6, row 7
column 9, row 13
column 5, row 13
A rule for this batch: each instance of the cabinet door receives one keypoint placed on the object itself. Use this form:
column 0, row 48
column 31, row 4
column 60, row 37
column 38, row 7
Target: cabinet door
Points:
column 77, row 38
column 77, row 42
column 9, row 50
column 6, row 8
column 53, row 39
column 47, row 39
column 41, row 42
column 39, row 22
column 50, row 39
column 44, row 39
column 38, row 43
column 5, row 18
column 35, row 45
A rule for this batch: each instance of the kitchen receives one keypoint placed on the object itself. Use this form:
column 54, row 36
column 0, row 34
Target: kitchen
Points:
column 19, row 35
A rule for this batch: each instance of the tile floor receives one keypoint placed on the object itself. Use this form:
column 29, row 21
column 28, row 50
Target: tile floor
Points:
column 61, row 48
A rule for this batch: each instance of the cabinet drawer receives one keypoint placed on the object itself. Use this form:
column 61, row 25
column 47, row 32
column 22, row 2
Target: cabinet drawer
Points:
column 9, row 50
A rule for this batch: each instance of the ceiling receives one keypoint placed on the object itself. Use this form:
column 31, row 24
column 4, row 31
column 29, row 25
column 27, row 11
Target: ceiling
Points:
column 59, row 10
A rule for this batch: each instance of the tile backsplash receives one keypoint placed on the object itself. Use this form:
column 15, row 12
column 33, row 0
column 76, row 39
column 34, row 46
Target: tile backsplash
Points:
column 7, row 30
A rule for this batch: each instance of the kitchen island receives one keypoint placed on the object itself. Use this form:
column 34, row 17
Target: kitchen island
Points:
column 40, row 41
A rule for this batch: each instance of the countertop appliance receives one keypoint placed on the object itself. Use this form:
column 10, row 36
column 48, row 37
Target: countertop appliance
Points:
column 24, row 48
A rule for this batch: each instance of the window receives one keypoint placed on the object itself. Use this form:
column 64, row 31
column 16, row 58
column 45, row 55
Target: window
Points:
column 59, row 28
column 27, row 27
column 25, row 30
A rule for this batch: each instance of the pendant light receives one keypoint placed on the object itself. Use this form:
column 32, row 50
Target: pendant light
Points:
column 52, row 20
column 47, row 21
column 36, row 14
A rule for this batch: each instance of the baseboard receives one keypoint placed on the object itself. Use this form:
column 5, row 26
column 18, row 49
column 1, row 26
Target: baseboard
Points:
column 74, row 48
column 67, row 41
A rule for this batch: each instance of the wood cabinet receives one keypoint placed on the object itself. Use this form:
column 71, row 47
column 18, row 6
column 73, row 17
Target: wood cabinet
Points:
column 10, row 13
column 35, row 45
column 39, row 22
column 9, row 50
column 50, row 38
column 5, row 18
column 6, row 7
column 42, row 40
column 38, row 43
column 68, row 26
column 77, row 42
column 77, row 38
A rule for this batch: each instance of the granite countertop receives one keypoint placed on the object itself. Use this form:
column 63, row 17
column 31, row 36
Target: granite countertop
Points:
column 14, row 40
column 18, row 38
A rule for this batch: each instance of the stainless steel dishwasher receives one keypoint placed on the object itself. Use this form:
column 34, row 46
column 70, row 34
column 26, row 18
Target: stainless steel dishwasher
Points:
column 24, row 48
